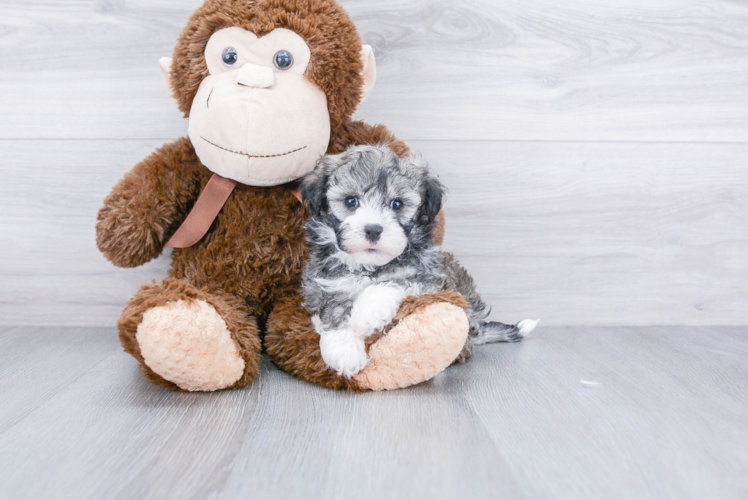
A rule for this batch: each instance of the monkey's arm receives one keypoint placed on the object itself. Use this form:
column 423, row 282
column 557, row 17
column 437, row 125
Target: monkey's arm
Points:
column 148, row 204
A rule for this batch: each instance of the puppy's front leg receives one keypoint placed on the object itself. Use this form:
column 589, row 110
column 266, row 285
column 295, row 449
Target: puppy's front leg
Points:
column 374, row 308
column 342, row 350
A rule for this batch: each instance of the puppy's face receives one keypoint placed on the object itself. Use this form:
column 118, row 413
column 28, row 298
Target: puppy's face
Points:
column 376, row 203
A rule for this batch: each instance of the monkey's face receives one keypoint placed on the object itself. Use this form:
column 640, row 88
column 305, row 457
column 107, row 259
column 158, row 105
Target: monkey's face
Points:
column 256, row 119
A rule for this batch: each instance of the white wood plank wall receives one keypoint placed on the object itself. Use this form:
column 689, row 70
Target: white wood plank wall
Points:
column 596, row 152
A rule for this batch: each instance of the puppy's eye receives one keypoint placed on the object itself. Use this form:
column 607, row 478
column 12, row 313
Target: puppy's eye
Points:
column 351, row 202
column 230, row 56
column 396, row 205
column 283, row 60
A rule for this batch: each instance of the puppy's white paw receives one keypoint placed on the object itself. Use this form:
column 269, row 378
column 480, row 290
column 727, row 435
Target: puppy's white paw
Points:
column 374, row 309
column 343, row 351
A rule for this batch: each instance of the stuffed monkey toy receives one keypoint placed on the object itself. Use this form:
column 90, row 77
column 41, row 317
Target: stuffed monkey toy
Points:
column 268, row 86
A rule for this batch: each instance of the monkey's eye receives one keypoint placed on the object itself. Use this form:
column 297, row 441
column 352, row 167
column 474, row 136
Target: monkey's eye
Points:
column 351, row 202
column 396, row 205
column 283, row 60
column 229, row 56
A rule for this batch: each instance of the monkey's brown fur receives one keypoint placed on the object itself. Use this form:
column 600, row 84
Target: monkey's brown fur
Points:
column 248, row 266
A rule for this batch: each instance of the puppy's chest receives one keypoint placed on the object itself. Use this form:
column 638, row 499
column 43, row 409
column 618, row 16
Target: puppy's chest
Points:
column 353, row 285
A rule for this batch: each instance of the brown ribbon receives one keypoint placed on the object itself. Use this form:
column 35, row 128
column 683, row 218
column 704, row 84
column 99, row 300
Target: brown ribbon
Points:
column 295, row 188
column 206, row 209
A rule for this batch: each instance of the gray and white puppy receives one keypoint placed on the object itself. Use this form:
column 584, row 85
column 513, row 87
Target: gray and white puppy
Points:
column 371, row 245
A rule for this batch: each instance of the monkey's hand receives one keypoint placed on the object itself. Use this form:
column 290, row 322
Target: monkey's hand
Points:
column 374, row 309
column 148, row 204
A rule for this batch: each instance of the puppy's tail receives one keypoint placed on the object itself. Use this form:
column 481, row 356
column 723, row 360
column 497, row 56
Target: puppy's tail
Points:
column 493, row 331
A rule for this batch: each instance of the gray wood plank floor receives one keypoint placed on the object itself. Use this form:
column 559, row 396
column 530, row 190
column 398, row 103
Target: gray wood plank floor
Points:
column 656, row 412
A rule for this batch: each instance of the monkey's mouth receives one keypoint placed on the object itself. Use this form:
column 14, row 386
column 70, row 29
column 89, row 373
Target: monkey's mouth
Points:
column 242, row 153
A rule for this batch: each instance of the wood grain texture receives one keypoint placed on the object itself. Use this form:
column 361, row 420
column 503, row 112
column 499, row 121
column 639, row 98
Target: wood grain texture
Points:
column 467, row 69
column 573, row 233
column 596, row 158
column 569, row 413
column 591, row 233
column 36, row 364
column 52, row 271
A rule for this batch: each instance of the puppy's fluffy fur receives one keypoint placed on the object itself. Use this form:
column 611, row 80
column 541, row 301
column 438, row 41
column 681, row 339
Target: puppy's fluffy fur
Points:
column 371, row 245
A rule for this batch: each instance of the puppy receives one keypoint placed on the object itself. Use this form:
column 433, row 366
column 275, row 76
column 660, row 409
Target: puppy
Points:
column 371, row 245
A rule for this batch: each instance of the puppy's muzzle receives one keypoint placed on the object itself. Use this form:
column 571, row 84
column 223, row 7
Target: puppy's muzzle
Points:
column 373, row 232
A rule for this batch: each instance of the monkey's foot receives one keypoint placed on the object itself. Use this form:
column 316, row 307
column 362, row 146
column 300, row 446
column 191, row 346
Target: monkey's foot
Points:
column 426, row 336
column 189, row 339
column 188, row 343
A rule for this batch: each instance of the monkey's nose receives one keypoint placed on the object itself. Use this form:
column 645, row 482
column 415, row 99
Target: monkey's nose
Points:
column 254, row 75
column 373, row 231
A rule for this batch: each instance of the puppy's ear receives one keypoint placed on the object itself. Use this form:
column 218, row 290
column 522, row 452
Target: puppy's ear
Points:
column 313, row 187
column 314, row 184
column 433, row 192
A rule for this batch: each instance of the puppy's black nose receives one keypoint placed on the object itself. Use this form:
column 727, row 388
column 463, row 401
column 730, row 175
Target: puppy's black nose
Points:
column 373, row 231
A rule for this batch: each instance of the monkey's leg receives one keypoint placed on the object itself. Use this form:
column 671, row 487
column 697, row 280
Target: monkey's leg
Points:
column 190, row 339
column 425, row 337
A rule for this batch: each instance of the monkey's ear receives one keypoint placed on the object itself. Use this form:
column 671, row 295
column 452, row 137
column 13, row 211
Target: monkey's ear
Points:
column 164, row 65
column 433, row 193
column 369, row 72
column 313, row 187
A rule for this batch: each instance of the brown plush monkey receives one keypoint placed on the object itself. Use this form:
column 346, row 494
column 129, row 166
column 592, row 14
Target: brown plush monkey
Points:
column 268, row 86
